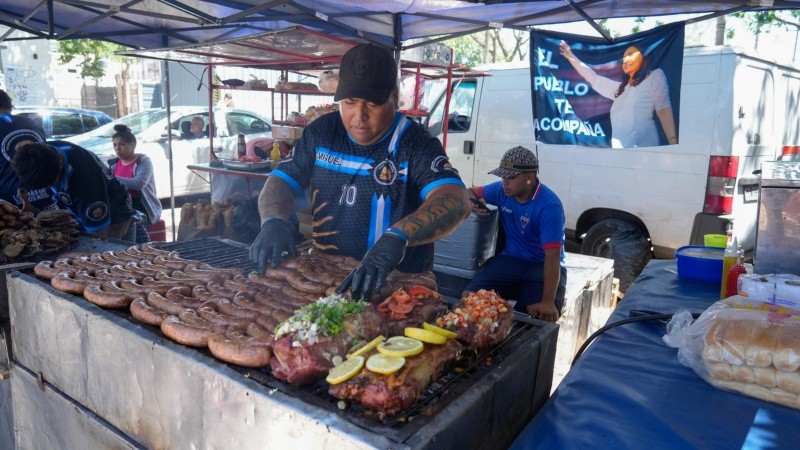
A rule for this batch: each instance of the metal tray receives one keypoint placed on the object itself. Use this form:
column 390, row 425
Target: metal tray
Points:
column 247, row 166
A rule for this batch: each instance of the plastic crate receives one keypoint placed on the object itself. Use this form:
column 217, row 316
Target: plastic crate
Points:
column 158, row 231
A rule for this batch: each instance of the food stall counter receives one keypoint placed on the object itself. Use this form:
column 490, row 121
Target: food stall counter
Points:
column 628, row 389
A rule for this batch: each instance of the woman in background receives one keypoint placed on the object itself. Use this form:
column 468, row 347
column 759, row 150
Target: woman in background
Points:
column 135, row 172
column 640, row 93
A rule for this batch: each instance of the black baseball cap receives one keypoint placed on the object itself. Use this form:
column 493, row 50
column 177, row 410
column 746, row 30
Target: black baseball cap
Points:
column 367, row 72
column 5, row 100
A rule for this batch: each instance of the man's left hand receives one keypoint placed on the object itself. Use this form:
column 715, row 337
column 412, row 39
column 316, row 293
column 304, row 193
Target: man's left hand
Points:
column 371, row 273
column 546, row 312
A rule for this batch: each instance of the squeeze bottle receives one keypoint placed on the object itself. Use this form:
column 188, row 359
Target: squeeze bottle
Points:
column 728, row 260
column 241, row 146
column 276, row 151
column 733, row 274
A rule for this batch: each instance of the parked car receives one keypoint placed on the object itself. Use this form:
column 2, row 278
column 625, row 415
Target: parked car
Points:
column 60, row 123
column 150, row 128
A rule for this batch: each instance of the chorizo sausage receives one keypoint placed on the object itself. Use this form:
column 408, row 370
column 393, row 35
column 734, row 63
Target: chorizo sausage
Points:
column 216, row 289
column 193, row 331
column 303, row 284
column 162, row 303
column 135, row 286
column 239, row 348
column 139, row 270
column 122, row 273
column 187, row 300
column 226, row 306
column 213, row 316
column 143, row 312
column 45, row 269
column 152, row 249
column 167, row 279
column 66, row 282
column 266, row 281
column 108, row 295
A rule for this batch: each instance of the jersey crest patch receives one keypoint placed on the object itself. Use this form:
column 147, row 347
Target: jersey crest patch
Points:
column 97, row 211
column 441, row 164
column 524, row 221
column 385, row 172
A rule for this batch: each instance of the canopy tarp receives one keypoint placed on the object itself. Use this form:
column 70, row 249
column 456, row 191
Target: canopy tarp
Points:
column 144, row 24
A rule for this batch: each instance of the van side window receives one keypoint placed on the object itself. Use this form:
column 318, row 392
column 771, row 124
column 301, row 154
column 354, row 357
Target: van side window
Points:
column 459, row 118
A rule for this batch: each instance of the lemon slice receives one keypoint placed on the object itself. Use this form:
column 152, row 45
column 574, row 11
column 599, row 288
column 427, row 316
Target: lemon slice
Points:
column 425, row 336
column 380, row 363
column 400, row 346
column 346, row 370
column 446, row 333
column 369, row 346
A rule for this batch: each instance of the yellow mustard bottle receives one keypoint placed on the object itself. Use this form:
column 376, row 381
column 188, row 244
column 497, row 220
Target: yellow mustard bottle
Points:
column 276, row 151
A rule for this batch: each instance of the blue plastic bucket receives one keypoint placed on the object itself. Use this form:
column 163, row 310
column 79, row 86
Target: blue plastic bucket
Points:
column 701, row 263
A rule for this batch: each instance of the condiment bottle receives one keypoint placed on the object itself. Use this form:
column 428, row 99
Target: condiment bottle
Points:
column 276, row 151
column 733, row 274
column 241, row 146
column 728, row 260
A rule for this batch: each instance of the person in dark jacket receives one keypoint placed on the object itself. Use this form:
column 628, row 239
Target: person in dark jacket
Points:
column 78, row 181
column 15, row 131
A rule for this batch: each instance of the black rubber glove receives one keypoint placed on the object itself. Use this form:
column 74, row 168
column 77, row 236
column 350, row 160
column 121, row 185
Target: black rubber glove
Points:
column 275, row 238
column 371, row 273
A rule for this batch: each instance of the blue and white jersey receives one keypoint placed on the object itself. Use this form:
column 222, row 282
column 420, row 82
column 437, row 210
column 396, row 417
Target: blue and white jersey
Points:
column 530, row 227
column 357, row 192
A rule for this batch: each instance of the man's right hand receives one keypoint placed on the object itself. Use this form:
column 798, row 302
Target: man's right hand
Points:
column 273, row 240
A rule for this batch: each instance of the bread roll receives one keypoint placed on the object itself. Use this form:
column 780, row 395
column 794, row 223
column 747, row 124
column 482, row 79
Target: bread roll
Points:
column 786, row 356
column 720, row 371
column 738, row 335
column 788, row 381
column 712, row 350
column 754, row 390
column 765, row 376
column 759, row 350
column 744, row 374
column 785, row 398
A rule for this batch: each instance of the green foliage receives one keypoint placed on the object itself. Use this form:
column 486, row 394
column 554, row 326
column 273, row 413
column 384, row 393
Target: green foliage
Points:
column 466, row 51
column 763, row 21
column 489, row 46
column 91, row 51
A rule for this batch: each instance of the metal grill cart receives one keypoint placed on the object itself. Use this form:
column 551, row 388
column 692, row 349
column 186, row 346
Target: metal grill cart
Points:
column 84, row 377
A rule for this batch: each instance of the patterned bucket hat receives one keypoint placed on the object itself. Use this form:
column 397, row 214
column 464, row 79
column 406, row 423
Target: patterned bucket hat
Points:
column 516, row 161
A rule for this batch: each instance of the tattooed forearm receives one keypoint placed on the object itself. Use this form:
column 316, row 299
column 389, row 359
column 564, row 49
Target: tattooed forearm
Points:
column 438, row 216
column 276, row 199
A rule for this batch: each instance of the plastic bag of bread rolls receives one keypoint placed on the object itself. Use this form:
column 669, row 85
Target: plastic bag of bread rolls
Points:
column 743, row 345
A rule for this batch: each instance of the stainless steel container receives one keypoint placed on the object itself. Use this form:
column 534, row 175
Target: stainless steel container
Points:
column 778, row 235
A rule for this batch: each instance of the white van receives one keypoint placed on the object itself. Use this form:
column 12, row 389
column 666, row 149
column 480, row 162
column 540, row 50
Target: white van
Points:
column 736, row 111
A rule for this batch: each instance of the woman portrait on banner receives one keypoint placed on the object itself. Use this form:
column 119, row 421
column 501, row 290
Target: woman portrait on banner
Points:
column 640, row 93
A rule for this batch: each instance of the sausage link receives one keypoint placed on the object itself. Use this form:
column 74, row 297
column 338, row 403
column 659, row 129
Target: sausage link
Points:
column 227, row 307
column 216, row 289
column 143, row 312
column 109, row 298
column 192, row 334
column 162, row 303
column 303, row 284
column 134, row 286
column 212, row 316
column 238, row 348
column 45, row 269
column 66, row 282
column 266, row 281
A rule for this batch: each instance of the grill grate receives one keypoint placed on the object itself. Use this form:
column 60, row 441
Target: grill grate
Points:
column 454, row 382
column 218, row 252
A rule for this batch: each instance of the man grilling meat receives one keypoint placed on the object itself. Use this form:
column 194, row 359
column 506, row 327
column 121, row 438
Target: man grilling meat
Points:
column 381, row 187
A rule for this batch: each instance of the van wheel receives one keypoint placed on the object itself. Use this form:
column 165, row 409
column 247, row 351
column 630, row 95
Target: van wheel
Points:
column 623, row 242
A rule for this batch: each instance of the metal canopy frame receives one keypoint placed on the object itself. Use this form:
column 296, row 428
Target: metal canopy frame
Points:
column 398, row 24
